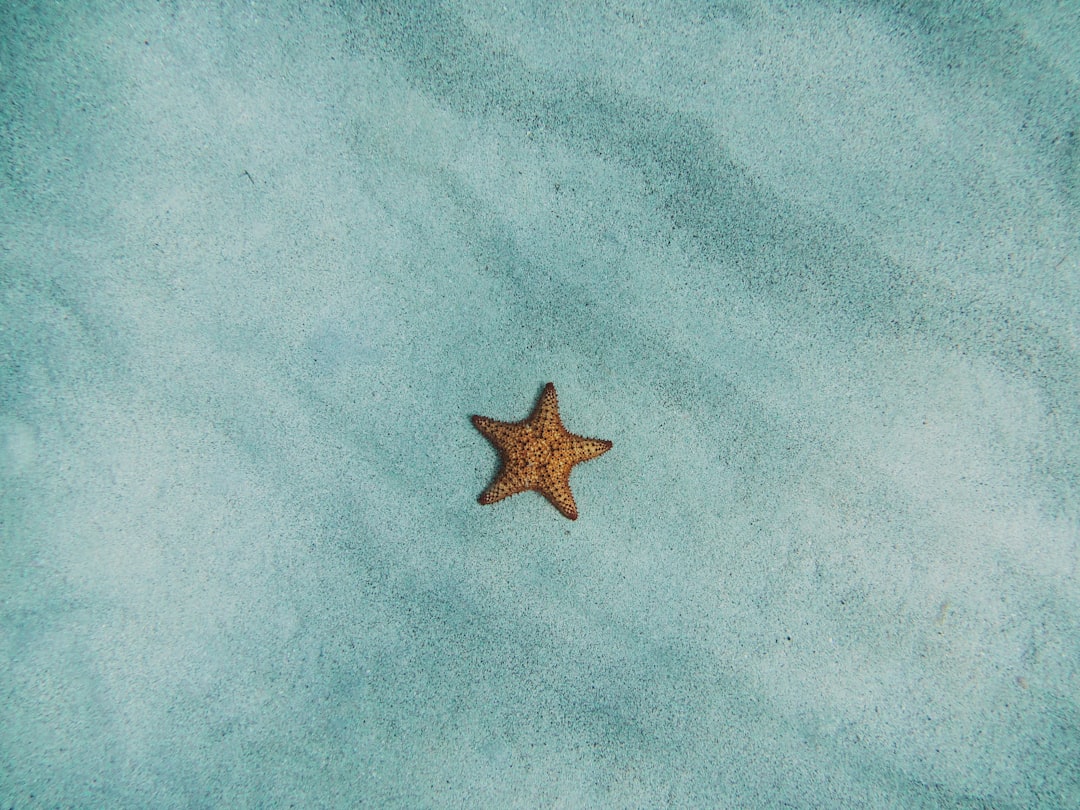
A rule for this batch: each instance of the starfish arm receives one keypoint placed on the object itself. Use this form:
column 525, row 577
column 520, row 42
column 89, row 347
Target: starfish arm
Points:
column 545, row 415
column 500, row 434
column 583, row 449
column 502, row 487
column 558, row 492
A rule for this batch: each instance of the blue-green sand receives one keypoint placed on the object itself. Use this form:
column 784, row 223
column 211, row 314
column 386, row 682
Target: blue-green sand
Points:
column 813, row 267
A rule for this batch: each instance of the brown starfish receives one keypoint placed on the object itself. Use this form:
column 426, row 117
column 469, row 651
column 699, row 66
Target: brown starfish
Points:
column 538, row 453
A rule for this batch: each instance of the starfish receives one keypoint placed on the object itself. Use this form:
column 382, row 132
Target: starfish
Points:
column 538, row 453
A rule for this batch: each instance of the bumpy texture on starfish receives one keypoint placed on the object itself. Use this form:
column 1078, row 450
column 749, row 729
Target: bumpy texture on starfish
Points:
column 538, row 453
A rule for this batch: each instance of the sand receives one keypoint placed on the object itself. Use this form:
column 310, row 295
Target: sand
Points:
column 814, row 268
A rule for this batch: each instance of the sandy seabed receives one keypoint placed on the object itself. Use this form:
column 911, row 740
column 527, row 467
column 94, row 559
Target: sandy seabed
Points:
column 814, row 268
